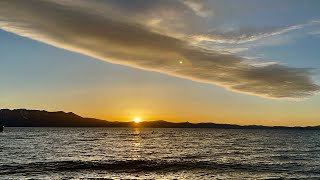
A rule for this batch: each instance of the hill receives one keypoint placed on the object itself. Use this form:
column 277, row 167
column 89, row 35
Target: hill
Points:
column 37, row 118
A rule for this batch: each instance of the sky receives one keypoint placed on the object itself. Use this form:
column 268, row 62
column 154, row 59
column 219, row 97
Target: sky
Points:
column 248, row 62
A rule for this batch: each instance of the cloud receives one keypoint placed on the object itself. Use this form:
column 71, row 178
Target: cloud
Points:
column 198, row 7
column 235, row 40
column 244, row 35
column 243, row 40
column 315, row 31
column 118, row 40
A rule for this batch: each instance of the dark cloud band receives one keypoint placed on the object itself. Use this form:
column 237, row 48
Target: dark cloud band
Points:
column 117, row 40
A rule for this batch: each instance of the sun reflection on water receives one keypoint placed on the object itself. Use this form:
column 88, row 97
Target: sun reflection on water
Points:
column 136, row 146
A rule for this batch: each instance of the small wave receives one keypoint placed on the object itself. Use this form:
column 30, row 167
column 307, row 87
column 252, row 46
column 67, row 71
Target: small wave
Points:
column 135, row 166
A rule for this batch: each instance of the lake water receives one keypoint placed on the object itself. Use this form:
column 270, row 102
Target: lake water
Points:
column 118, row 153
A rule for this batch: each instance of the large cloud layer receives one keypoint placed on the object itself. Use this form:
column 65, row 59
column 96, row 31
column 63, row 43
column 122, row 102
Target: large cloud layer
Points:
column 117, row 39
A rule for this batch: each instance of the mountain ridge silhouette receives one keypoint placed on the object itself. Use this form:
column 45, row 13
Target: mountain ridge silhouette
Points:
column 42, row 118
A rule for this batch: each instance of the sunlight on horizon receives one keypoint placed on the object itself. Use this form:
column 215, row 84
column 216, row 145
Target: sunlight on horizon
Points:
column 137, row 120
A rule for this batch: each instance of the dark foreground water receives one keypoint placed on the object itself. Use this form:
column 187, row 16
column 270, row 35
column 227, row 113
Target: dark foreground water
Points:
column 118, row 153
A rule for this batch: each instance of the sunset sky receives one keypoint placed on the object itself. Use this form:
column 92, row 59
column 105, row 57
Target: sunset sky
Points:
column 222, row 61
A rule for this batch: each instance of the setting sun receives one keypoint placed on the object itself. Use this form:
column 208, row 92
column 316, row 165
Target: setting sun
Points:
column 137, row 120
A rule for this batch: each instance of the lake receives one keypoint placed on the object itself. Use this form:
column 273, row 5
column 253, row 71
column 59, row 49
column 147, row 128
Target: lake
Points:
column 151, row 153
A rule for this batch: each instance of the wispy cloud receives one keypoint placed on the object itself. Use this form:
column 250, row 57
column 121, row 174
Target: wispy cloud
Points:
column 315, row 32
column 239, row 39
column 198, row 7
column 245, row 35
column 118, row 40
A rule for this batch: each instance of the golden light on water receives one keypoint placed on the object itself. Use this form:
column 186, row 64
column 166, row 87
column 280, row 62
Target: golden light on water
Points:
column 137, row 120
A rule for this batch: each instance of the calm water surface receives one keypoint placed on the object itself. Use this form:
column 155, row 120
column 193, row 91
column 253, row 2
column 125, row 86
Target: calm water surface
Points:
column 118, row 153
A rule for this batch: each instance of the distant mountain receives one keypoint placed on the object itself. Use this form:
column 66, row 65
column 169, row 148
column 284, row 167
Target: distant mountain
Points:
column 37, row 118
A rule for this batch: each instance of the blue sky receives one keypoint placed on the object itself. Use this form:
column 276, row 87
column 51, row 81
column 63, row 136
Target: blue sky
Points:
column 254, row 62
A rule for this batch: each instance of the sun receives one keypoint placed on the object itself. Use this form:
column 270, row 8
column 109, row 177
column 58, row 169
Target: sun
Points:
column 137, row 120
